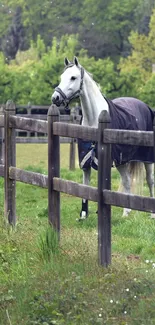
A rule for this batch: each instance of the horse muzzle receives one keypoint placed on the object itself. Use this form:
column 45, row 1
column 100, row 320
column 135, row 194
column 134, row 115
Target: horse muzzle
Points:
column 57, row 100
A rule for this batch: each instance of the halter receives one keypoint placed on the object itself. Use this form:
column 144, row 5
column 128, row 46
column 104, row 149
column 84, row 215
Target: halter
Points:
column 66, row 99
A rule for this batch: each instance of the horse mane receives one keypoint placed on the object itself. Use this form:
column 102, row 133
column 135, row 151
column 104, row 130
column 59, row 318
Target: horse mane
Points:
column 91, row 76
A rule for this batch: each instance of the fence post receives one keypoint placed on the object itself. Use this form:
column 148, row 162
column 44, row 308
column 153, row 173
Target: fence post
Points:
column 10, row 160
column 154, row 138
column 53, row 169
column 104, row 182
column 153, row 148
column 28, row 133
column 2, row 138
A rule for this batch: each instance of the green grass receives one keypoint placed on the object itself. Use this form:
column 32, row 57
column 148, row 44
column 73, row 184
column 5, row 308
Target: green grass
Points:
column 42, row 282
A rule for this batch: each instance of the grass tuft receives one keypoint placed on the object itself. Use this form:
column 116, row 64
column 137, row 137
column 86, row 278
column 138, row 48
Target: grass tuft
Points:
column 48, row 244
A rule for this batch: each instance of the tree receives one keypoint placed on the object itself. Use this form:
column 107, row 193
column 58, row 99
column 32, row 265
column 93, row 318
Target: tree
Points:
column 139, row 64
column 107, row 24
column 49, row 18
column 143, row 14
column 15, row 37
column 5, row 20
column 6, row 80
column 103, row 26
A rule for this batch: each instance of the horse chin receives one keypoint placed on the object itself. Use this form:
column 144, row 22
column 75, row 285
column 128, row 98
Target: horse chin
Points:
column 62, row 102
column 57, row 101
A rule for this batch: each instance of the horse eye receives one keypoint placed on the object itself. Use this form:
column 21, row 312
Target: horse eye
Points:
column 73, row 78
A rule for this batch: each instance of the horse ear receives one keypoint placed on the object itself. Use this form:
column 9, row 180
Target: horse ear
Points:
column 66, row 62
column 76, row 62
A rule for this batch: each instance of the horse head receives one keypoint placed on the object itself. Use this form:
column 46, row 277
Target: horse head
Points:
column 71, row 83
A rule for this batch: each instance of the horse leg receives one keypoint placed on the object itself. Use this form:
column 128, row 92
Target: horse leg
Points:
column 149, row 168
column 86, row 180
column 150, row 177
column 126, row 182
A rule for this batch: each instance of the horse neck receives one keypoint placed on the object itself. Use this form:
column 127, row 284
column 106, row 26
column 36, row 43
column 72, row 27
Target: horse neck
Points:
column 92, row 102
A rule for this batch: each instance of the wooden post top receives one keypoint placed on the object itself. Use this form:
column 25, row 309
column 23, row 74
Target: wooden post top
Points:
column 104, row 117
column 2, row 108
column 10, row 106
column 53, row 110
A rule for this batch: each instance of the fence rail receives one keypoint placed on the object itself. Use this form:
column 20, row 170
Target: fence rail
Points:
column 138, row 138
column 75, row 131
column 40, row 140
column 2, row 170
column 35, row 127
column 75, row 189
column 28, row 177
column 134, row 202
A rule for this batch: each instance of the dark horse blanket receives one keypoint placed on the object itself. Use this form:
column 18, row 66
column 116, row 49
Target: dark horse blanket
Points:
column 129, row 114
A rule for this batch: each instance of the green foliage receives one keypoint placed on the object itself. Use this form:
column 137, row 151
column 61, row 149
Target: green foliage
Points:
column 46, row 72
column 108, row 24
column 147, row 93
column 143, row 13
column 35, row 73
column 48, row 244
column 39, row 46
column 5, row 18
column 138, row 66
column 6, row 82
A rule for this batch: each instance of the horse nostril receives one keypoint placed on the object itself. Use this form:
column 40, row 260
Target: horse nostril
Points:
column 55, row 100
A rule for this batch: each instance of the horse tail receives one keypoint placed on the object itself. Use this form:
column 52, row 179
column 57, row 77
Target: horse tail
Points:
column 136, row 172
column 136, row 169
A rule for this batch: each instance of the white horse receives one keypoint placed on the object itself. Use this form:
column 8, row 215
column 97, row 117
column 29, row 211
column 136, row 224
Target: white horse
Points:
column 77, row 82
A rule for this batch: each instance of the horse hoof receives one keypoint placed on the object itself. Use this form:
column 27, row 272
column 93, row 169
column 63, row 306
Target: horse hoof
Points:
column 79, row 219
column 126, row 212
column 152, row 216
column 83, row 215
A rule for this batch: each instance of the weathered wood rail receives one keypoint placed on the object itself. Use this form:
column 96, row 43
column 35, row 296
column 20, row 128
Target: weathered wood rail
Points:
column 102, row 194
column 37, row 132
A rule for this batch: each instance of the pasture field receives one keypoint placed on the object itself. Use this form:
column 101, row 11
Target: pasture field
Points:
column 42, row 282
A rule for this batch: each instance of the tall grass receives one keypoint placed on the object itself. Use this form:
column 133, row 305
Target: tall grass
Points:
column 48, row 244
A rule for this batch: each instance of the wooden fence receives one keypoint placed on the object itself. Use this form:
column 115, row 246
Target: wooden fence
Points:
column 24, row 136
column 102, row 194
column 36, row 112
